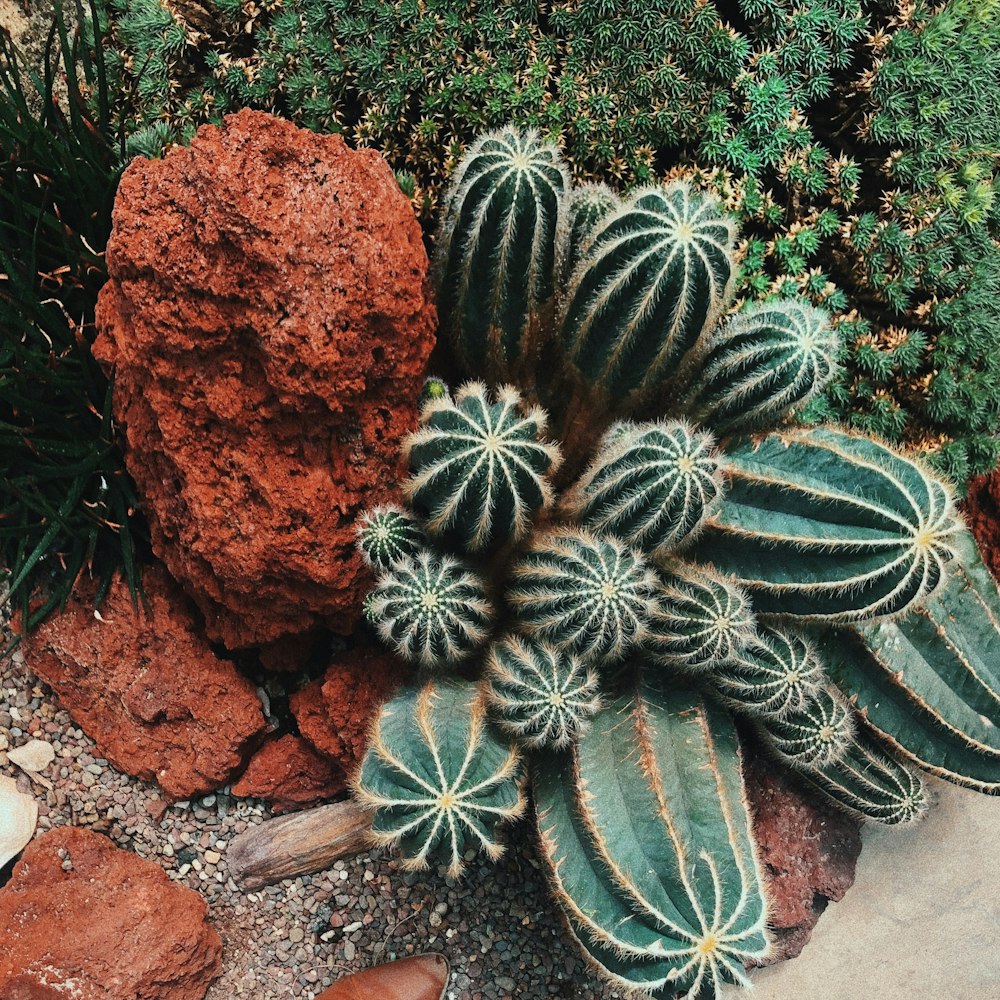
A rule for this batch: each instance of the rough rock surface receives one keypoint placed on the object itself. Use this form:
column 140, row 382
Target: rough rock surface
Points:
column 268, row 321
column 147, row 688
column 335, row 714
column 982, row 513
column 84, row 920
column 808, row 849
column 290, row 775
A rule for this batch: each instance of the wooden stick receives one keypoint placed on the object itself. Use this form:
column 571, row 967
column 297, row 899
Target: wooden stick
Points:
column 298, row 844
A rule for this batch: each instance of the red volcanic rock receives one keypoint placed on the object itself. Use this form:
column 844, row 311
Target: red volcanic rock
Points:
column 335, row 714
column 84, row 920
column 290, row 775
column 268, row 322
column 146, row 687
column 419, row 977
column 982, row 513
column 808, row 848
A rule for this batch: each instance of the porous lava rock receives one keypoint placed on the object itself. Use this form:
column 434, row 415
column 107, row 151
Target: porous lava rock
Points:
column 85, row 920
column 147, row 688
column 291, row 775
column 808, row 848
column 268, row 320
column 335, row 714
column 982, row 513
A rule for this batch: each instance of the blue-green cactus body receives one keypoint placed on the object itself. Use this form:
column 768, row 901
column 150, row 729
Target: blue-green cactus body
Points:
column 432, row 610
column 651, row 485
column 496, row 249
column 700, row 619
column 387, row 534
column 829, row 526
column 768, row 358
column 438, row 777
column 645, row 834
column 586, row 206
column 813, row 735
column 589, row 596
column 479, row 468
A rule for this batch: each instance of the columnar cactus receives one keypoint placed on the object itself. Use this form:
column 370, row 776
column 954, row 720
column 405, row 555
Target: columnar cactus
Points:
column 652, row 485
column 496, row 249
column 650, row 602
column 479, row 467
column 438, row 779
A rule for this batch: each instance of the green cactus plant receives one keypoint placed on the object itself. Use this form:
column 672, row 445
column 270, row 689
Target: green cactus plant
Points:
column 649, row 603
column 388, row 534
column 479, row 468
column 437, row 778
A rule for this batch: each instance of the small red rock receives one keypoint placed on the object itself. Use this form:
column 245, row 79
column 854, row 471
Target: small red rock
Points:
column 268, row 319
column 982, row 513
column 419, row 977
column 335, row 714
column 290, row 775
column 82, row 919
column 147, row 688
column 808, row 849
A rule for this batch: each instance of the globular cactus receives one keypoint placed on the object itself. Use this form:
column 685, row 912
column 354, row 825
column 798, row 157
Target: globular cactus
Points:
column 539, row 695
column 479, row 467
column 586, row 205
column 645, row 837
column 651, row 286
column 586, row 595
column 496, row 249
column 814, row 735
column 768, row 358
column 431, row 609
column 438, row 777
column 829, row 526
column 867, row 782
column 699, row 620
column 387, row 534
column 651, row 485
column 776, row 672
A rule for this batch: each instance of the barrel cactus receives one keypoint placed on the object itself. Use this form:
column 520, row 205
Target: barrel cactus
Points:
column 707, row 558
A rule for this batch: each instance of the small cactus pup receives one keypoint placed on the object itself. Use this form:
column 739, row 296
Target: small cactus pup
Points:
column 438, row 777
column 479, row 467
column 769, row 358
column 652, row 485
column 388, row 534
column 431, row 609
column 586, row 595
column 495, row 253
column 540, row 695
column 814, row 735
column 654, row 280
column 645, row 836
column 586, row 206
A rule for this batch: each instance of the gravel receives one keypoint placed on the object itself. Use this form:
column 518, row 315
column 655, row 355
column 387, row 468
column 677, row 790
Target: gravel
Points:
column 497, row 927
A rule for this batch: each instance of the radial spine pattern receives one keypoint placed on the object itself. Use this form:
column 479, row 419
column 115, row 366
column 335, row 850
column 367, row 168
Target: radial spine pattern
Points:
column 479, row 468
column 814, row 735
column 387, row 534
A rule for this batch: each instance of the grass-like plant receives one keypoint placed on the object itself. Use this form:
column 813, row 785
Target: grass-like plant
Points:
column 67, row 505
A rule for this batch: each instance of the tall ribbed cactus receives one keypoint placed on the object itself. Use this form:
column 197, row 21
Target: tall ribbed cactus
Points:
column 479, row 467
column 768, row 358
column 651, row 485
column 829, row 526
column 496, row 248
column 439, row 779
column 813, row 735
column 644, row 832
column 651, row 286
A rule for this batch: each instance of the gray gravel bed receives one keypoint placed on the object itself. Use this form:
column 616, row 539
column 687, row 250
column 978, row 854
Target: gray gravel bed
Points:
column 497, row 927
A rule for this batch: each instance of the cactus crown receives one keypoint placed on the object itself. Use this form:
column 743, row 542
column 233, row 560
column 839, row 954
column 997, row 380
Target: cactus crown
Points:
column 685, row 573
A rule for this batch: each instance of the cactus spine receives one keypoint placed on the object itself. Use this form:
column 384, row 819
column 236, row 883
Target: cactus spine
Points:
column 814, row 735
column 496, row 248
column 388, row 534
column 438, row 778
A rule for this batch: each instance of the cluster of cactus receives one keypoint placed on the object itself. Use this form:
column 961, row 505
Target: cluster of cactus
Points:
column 593, row 628
column 855, row 140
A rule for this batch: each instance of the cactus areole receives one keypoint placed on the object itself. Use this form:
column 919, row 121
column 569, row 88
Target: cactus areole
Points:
column 707, row 559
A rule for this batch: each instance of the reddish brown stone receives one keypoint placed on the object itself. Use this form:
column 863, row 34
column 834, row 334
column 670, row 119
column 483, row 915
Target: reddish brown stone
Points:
column 335, row 714
column 290, row 775
column 982, row 513
column 268, row 320
column 86, row 920
column 808, row 848
column 146, row 687
column 419, row 977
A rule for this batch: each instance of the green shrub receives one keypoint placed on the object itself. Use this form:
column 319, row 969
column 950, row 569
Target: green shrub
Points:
column 66, row 503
